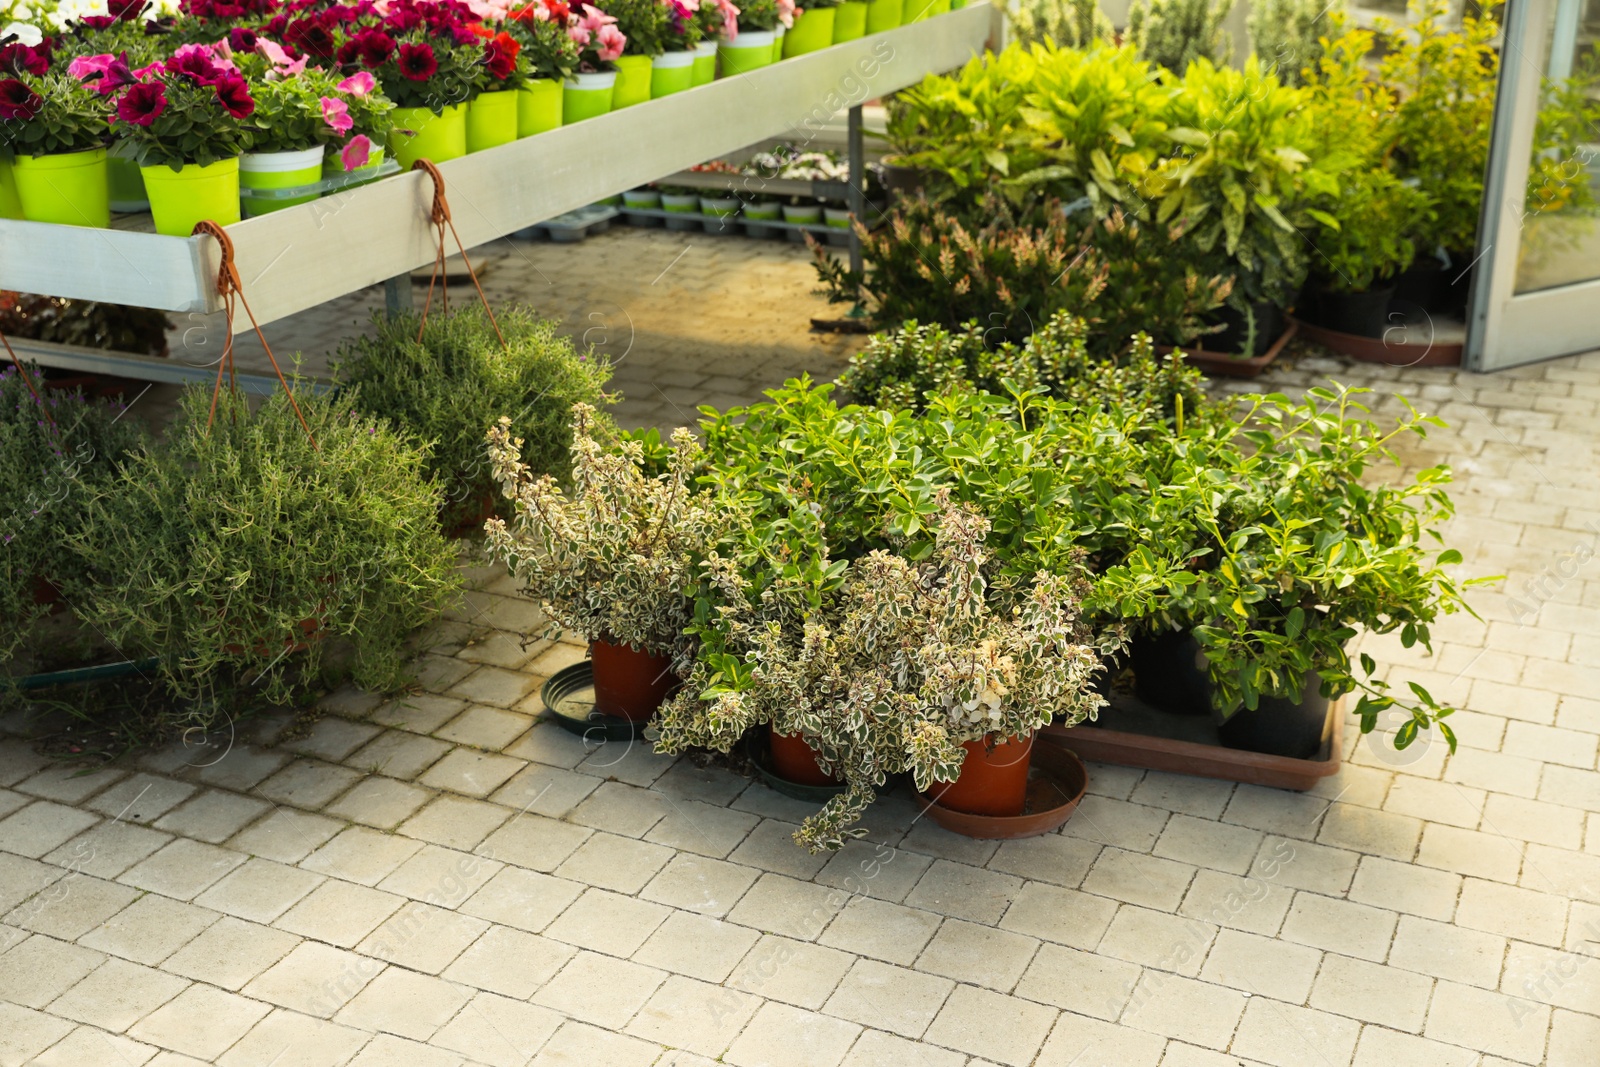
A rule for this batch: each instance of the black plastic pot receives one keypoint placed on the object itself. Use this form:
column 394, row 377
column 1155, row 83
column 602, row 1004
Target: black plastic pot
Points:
column 1279, row 726
column 1236, row 329
column 1434, row 287
column 1363, row 314
column 1168, row 673
column 900, row 181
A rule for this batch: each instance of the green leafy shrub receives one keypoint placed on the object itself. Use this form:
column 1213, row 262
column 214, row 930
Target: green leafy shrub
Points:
column 1287, row 34
column 1174, row 33
column 55, row 452
column 904, row 367
column 1070, row 23
column 448, row 388
column 1017, row 270
column 1363, row 237
column 241, row 551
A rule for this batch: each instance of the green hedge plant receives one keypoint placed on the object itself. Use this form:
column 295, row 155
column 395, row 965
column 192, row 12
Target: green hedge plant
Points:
column 239, row 552
column 1174, row 33
column 448, row 387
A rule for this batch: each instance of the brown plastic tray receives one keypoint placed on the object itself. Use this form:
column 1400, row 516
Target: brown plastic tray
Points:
column 1194, row 754
column 1057, row 780
column 1388, row 352
column 1233, row 366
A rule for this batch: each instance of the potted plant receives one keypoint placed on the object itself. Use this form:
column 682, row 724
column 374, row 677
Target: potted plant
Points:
column 1171, row 34
column 1065, row 23
column 849, row 20
column 444, row 388
column 884, row 15
column 1360, row 246
column 589, row 92
column 614, row 561
column 245, row 548
column 884, row 665
column 673, row 70
column 58, row 137
column 719, row 212
column 644, row 24
column 361, row 120
column 718, row 21
column 288, row 135
column 56, row 449
column 757, row 38
column 552, row 57
column 812, row 30
column 681, row 200
column 185, row 123
column 492, row 113
column 427, row 62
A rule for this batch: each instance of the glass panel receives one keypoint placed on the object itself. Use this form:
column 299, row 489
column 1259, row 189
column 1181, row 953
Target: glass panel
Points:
column 1561, row 220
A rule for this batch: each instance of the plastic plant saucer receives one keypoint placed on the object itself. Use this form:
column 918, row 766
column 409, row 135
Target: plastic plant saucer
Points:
column 569, row 698
column 756, row 750
column 1057, row 781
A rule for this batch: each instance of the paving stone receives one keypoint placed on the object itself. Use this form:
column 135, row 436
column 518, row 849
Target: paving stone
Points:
column 1138, row 879
column 770, row 846
column 1488, row 1022
column 1404, row 887
column 361, row 855
column 182, row 870
column 340, row 913
column 1472, row 853
column 621, row 864
column 782, row 1036
column 200, row 1022
column 889, row 997
column 442, row 877
column 794, row 972
column 714, row 785
column 873, row 869
column 696, row 946
column 1156, row 939
column 309, row 784
column 38, row 969
column 549, row 744
column 935, row 841
column 240, row 767
column 1533, row 820
column 882, row 930
column 70, row 907
column 1193, row 1011
column 964, row 892
column 875, row 1048
column 1281, row 1033
column 290, row 1039
column 41, row 827
column 230, row 953
column 1445, row 951
column 107, row 849
column 260, row 890
column 214, row 816
column 403, row 1002
column 25, row 1033
column 1384, row 1048
column 1261, row 965
column 692, row 826
column 473, row 773
column 621, row 809
column 1303, row 865
column 150, row 929
column 314, row 979
column 1203, row 798
column 509, row 961
column 90, row 1044
column 1340, row 926
column 1512, row 912
column 333, row 739
column 608, row 922
column 535, row 842
column 418, row 713
column 600, row 990
column 999, row 1028
column 379, row 802
column 285, row 835
column 1080, row 1040
column 693, row 1015
column 398, row 754
column 1372, row 993
column 1204, row 843
column 422, row 937
column 455, row 822
column 1574, row 1039
column 524, row 899
column 774, row 904
column 67, row 784
column 543, row 790
column 116, row 995
column 497, row 689
column 632, row 762
column 1064, row 916
column 1107, row 821
column 578, row 1044
column 496, row 1030
column 386, row 1050
column 1374, row 832
column 1274, row 812
column 1050, row 858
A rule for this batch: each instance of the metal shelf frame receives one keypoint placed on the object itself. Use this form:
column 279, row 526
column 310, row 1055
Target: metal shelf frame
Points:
column 299, row 257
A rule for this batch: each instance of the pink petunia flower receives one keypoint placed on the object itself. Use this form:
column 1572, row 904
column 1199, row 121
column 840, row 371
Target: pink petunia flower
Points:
column 282, row 65
column 83, row 66
column 356, row 153
column 358, row 84
column 786, row 13
column 612, row 42
column 336, row 113
column 730, row 19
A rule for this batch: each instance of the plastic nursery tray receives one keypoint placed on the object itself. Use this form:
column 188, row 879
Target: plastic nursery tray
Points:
column 569, row 698
column 1235, row 366
column 326, row 187
column 1131, row 733
column 1393, row 349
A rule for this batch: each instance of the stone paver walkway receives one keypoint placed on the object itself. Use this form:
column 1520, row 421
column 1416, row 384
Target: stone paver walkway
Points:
column 441, row 878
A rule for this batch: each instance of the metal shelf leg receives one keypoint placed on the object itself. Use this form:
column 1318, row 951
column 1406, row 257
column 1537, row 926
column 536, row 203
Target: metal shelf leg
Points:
column 397, row 296
column 858, row 198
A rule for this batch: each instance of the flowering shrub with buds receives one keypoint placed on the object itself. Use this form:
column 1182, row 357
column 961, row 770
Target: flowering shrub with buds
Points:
column 616, row 558
column 884, row 664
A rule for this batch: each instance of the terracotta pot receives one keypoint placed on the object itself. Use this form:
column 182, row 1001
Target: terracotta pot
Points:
column 465, row 518
column 796, row 761
column 1056, row 783
column 310, row 630
column 993, row 780
column 629, row 683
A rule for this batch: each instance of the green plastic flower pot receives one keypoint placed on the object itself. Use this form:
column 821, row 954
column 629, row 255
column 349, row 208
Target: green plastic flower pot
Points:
column 914, row 11
column 671, row 72
column 181, row 198
column 883, row 15
column 705, row 63
column 586, row 95
column 69, row 188
column 769, row 210
column 492, row 119
column 777, row 42
column 938, row 7
column 812, row 32
column 849, row 21
column 124, row 182
column 435, row 137
column 633, row 82
column 957, row 5
column 279, row 170
column 10, row 203
column 751, row 50
column 538, row 106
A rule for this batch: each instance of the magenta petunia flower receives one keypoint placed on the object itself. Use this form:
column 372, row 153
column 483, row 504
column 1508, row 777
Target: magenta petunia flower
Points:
column 234, row 94
column 17, row 101
column 358, row 84
column 194, row 65
column 336, row 113
column 417, row 62
column 142, row 103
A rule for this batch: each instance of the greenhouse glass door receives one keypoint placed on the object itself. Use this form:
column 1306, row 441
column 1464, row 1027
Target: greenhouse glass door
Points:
column 1536, row 291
